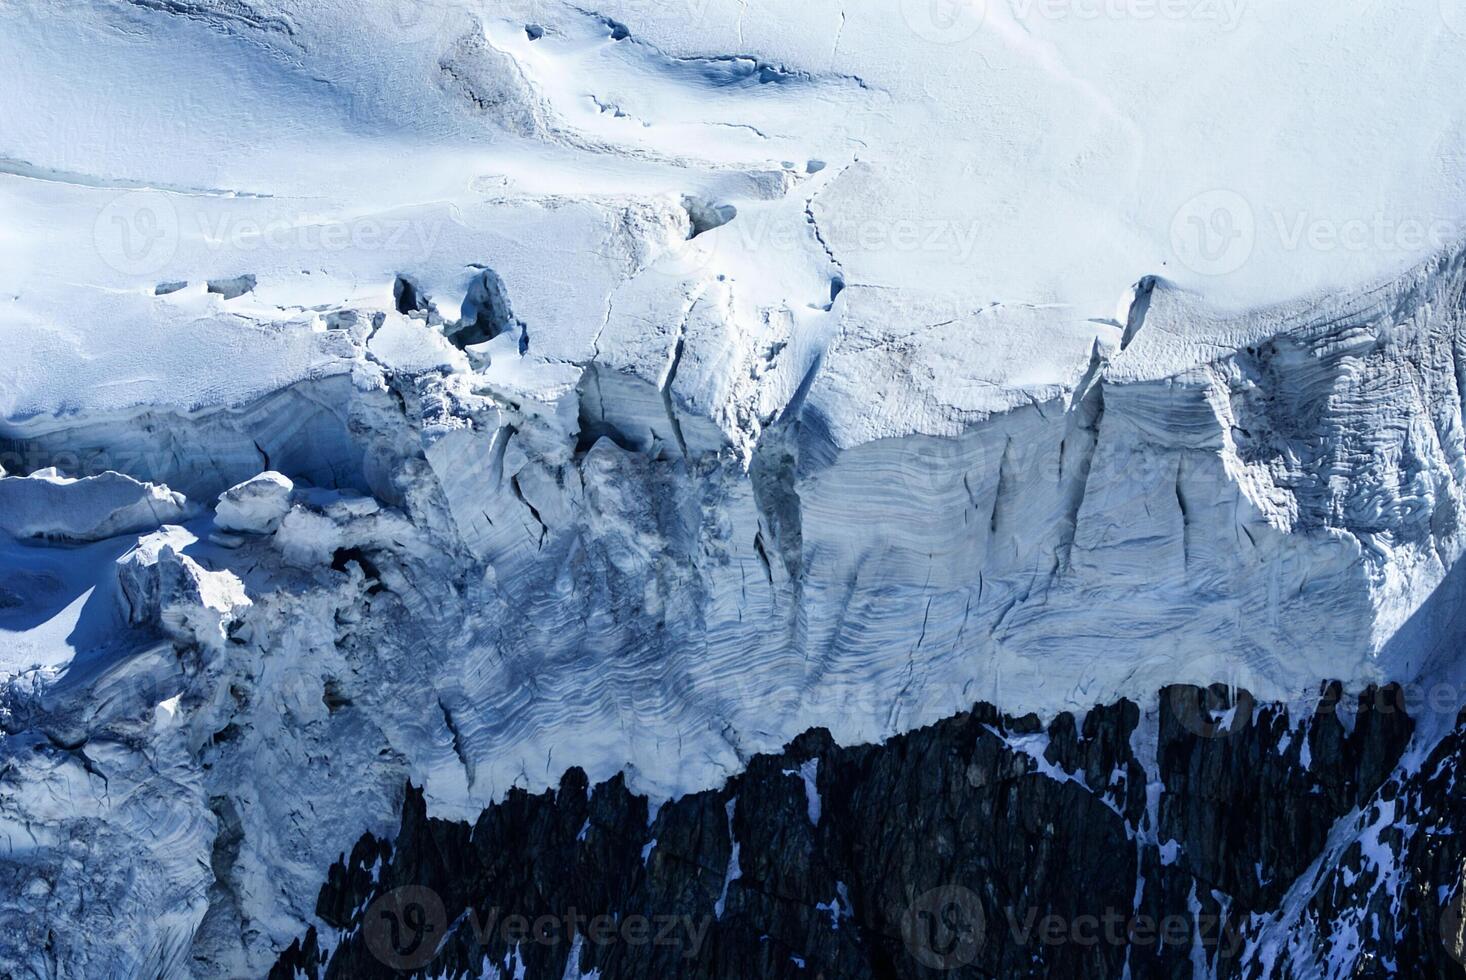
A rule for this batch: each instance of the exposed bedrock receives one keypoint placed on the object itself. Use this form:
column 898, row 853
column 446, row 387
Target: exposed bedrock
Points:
column 1109, row 844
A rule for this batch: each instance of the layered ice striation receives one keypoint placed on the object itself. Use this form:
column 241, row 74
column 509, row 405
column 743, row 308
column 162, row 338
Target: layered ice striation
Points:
column 465, row 396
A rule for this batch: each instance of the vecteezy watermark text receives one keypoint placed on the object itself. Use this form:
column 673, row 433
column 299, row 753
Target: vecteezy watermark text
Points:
column 1224, row 13
column 140, row 232
column 763, row 232
column 1217, row 232
column 306, row 235
column 406, row 927
column 955, row 21
column 945, row 928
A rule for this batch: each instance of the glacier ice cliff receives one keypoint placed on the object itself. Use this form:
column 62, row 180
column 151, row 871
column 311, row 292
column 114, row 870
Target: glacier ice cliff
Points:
column 538, row 390
column 601, row 568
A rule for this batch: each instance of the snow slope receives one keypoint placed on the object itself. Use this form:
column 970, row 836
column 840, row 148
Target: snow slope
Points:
column 659, row 381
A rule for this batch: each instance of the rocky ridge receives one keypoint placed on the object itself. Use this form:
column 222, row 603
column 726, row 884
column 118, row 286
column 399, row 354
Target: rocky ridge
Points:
column 1233, row 838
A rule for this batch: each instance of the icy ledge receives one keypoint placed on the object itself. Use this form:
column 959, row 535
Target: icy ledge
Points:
column 491, row 566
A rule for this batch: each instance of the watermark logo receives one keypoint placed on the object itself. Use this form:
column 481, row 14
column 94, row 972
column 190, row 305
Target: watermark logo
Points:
column 1226, row 708
column 403, row 928
column 1213, row 233
column 840, row 236
column 955, row 21
column 944, row 928
column 1216, row 233
column 1226, row 14
column 944, row 21
column 1222, row 707
column 409, row 237
column 1212, row 712
column 137, row 233
column 1380, row 232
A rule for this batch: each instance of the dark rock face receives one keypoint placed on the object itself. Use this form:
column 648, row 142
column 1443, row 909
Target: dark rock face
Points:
column 982, row 846
column 1397, row 881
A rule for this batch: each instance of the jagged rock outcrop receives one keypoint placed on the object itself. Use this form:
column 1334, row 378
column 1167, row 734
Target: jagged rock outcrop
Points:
column 984, row 845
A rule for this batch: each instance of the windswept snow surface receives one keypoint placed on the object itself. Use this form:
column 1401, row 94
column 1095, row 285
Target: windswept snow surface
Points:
column 644, row 385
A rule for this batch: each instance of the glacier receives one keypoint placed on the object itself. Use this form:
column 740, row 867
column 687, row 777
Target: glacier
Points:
column 457, row 393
